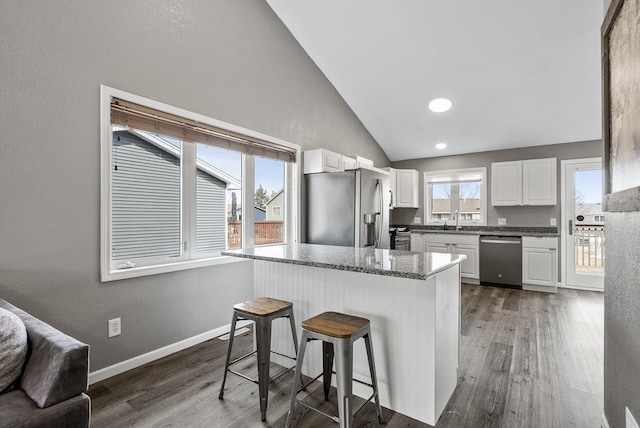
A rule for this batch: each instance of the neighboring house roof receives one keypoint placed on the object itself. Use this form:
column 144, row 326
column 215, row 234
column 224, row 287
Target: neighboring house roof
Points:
column 161, row 143
column 589, row 208
column 443, row 206
column 274, row 196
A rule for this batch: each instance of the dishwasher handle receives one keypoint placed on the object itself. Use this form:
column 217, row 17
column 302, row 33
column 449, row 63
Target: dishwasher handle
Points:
column 495, row 241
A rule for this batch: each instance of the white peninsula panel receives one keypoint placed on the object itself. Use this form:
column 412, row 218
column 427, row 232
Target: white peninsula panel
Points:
column 411, row 299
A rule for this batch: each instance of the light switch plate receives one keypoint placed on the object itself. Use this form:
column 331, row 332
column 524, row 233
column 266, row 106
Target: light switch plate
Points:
column 502, row 221
column 417, row 220
column 553, row 221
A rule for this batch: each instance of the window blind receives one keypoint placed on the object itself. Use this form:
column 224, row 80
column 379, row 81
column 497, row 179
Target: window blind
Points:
column 134, row 116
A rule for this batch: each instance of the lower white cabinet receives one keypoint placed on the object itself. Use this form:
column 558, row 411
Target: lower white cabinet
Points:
column 417, row 242
column 540, row 264
column 468, row 245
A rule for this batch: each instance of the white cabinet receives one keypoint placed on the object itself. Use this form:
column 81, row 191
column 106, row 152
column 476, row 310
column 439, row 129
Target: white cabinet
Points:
column 404, row 188
column 417, row 242
column 321, row 160
column 539, row 264
column 348, row 163
column 468, row 245
column 539, row 182
column 506, row 183
column 363, row 162
column 528, row 182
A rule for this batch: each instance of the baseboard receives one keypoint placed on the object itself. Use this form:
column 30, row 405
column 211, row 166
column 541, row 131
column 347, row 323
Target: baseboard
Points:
column 604, row 423
column 143, row 359
column 540, row 288
column 573, row 287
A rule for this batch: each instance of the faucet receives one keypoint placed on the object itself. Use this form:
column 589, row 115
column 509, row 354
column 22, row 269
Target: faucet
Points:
column 456, row 217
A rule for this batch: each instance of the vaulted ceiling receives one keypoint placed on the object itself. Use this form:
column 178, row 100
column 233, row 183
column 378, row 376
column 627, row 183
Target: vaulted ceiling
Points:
column 518, row 72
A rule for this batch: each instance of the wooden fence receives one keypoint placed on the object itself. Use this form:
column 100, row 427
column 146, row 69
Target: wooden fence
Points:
column 265, row 232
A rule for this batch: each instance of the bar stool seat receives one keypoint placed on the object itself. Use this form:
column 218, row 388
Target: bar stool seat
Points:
column 262, row 311
column 339, row 331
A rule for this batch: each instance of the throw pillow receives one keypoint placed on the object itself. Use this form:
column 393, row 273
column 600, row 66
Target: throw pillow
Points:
column 13, row 348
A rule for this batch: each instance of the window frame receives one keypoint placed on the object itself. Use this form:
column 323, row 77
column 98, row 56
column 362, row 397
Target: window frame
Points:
column 455, row 201
column 190, row 258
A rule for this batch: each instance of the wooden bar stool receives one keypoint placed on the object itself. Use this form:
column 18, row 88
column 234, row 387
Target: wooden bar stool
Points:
column 337, row 332
column 262, row 311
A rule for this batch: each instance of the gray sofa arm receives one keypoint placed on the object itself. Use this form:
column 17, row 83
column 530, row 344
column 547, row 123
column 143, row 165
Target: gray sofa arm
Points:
column 57, row 365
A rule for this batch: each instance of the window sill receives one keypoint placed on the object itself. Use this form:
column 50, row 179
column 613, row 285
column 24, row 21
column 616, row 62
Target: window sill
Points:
column 115, row 275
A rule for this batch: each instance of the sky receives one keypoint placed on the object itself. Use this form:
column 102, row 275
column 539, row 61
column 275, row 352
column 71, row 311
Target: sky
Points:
column 589, row 184
column 269, row 172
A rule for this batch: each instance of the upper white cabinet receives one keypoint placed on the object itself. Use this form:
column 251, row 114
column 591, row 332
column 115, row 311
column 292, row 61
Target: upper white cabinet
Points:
column 321, row 160
column 404, row 188
column 506, row 183
column 348, row 163
column 539, row 182
column 363, row 162
column 528, row 182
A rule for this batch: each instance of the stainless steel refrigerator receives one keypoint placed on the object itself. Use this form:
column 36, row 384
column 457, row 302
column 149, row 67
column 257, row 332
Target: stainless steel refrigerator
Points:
column 348, row 208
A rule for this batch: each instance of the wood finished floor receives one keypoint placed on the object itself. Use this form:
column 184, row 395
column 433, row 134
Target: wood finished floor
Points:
column 528, row 360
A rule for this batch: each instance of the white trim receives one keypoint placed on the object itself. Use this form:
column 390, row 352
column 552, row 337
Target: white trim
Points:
column 154, row 355
column 169, row 267
column 577, row 287
column 563, row 218
column 483, row 190
column 107, row 273
column 603, row 421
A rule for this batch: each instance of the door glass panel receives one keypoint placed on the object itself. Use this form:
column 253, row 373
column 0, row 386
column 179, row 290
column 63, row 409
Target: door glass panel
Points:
column 269, row 210
column 588, row 229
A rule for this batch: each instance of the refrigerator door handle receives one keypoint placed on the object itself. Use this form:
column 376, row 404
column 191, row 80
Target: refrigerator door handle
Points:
column 378, row 215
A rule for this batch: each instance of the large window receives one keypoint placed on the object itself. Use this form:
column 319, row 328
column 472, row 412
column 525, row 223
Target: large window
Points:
column 456, row 192
column 178, row 188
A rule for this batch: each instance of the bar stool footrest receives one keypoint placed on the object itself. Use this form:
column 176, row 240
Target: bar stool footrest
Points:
column 320, row 412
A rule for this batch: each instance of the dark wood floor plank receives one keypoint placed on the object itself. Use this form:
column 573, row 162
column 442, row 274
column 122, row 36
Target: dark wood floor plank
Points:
column 527, row 360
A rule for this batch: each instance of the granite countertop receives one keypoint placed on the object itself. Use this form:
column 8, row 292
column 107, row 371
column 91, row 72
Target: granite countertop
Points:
column 402, row 264
column 489, row 230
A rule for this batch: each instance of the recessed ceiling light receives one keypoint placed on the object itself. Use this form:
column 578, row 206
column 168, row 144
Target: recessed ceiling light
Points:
column 440, row 105
column 441, row 146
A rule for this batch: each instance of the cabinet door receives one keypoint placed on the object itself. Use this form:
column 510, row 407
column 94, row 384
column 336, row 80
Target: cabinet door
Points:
column 539, row 266
column 417, row 242
column 406, row 188
column 506, row 183
column 469, row 266
column 348, row 163
column 320, row 160
column 437, row 248
column 539, row 181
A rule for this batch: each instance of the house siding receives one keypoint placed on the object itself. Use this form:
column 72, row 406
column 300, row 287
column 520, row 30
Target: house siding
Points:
column 211, row 204
column 145, row 200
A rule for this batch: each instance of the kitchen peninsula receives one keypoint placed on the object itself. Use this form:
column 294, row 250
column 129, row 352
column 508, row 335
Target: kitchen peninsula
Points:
column 412, row 300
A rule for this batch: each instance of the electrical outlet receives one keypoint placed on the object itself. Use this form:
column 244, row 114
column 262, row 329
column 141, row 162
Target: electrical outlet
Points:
column 417, row 220
column 553, row 221
column 114, row 327
column 502, row 221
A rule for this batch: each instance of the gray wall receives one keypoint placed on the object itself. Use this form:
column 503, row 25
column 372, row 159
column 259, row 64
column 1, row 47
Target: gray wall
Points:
column 516, row 216
column 230, row 60
column 622, row 317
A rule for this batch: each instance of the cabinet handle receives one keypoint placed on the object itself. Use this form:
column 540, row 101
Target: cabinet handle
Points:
column 570, row 227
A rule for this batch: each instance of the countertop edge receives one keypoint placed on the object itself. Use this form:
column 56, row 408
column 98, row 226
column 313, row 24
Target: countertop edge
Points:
column 406, row 275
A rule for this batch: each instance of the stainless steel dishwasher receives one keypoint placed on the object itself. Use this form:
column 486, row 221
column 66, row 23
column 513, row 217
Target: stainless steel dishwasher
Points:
column 501, row 261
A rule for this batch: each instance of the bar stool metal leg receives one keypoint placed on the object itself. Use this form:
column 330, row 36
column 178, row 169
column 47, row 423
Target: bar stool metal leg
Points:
column 226, row 366
column 327, row 367
column 372, row 371
column 344, row 380
column 297, row 375
column 263, row 341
